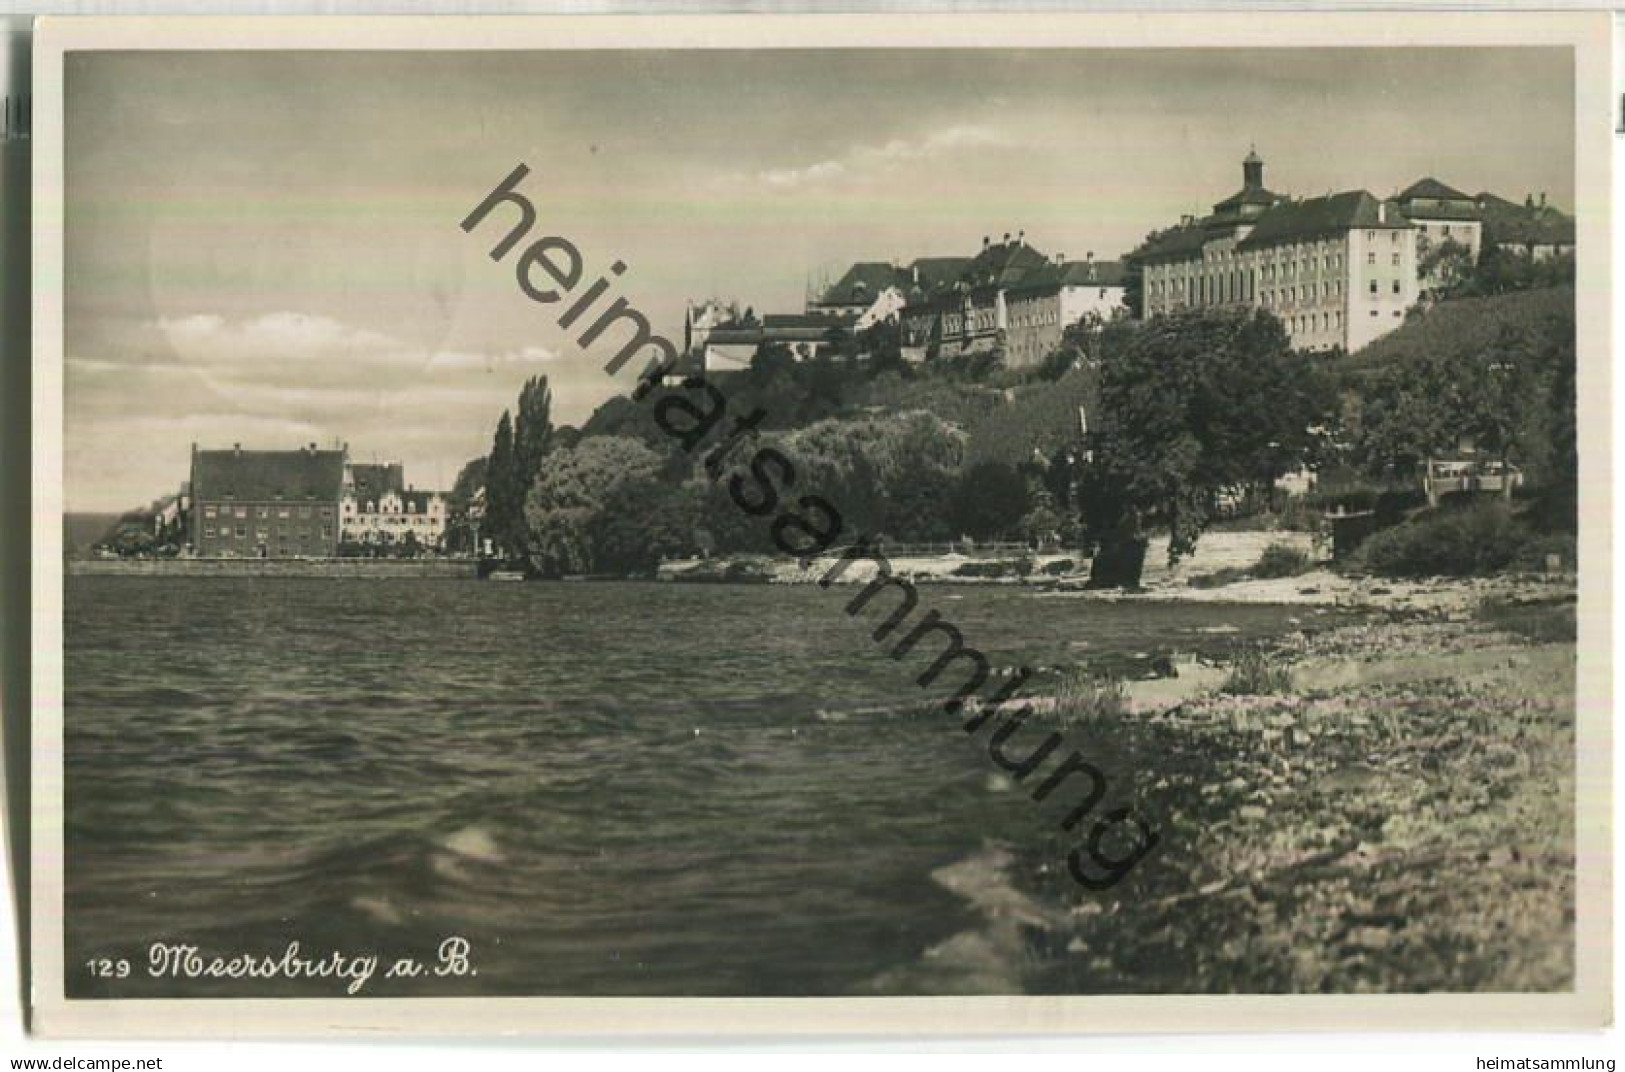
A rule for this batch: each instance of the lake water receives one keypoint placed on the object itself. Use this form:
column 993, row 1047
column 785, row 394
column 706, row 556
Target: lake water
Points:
column 605, row 788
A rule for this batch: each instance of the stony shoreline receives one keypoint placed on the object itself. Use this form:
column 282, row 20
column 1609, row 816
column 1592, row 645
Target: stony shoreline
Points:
column 1399, row 819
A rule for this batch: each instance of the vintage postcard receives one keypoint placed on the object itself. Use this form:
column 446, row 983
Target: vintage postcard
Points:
column 860, row 524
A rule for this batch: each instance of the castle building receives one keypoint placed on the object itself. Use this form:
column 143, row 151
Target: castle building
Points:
column 1338, row 271
column 266, row 503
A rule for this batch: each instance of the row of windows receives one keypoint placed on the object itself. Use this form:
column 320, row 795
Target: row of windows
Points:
column 1328, row 262
column 1290, row 295
column 1035, row 318
column 371, row 507
column 1374, row 288
column 226, row 532
column 263, row 511
column 375, row 520
column 1371, row 258
column 1393, row 237
column 1315, row 322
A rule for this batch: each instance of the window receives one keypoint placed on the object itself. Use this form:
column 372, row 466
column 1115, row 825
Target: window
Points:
column 1396, row 260
column 1446, row 230
column 265, row 511
column 1396, row 286
column 242, row 531
column 304, row 511
column 282, row 512
column 1373, row 312
column 327, row 532
column 241, row 511
column 208, row 532
column 1371, row 257
column 1373, row 287
column 1393, row 236
column 208, row 511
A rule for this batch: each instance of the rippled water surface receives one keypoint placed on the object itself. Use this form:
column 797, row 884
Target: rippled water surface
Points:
column 606, row 788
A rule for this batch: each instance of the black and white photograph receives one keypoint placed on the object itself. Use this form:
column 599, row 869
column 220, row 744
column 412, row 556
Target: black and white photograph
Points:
column 823, row 514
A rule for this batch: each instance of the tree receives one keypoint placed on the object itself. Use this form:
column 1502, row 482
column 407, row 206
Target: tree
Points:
column 1445, row 268
column 133, row 538
column 990, row 501
column 1497, row 370
column 572, row 498
column 504, row 494
column 532, row 428
column 1194, row 403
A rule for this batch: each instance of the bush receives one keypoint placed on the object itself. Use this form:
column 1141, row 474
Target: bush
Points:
column 995, row 568
column 1256, row 673
column 1081, row 698
column 1281, row 560
column 1060, row 567
column 1457, row 541
column 1218, row 578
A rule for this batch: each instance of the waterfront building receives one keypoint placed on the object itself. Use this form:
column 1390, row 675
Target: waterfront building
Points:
column 378, row 508
column 266, row 503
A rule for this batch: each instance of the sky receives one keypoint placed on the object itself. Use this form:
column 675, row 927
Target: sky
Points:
column 263, row 248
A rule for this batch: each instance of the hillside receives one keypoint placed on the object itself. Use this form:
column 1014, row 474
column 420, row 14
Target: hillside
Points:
column 1462, row 325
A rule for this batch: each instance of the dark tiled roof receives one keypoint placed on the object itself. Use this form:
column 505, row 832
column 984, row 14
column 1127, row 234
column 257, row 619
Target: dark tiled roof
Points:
column 1432, row 189
column 267, row 475
column 782, row 321
column 1005, row 263
column 1247, row 195
column 1319, row 217
column 416, row 501
column 938, row 272
column 862, row 282
column 1532, row 225
column 1072, row 274
column 1177, row 244
column 372, row 479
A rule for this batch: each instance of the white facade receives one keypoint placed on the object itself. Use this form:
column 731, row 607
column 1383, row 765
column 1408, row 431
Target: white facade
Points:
column 389, row 518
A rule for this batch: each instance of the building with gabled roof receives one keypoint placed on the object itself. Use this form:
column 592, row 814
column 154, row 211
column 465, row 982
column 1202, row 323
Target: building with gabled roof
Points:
column 266, row 503
column 1337, row 270
column 1442, row 214
column 1010, row 297
column 1534, row 228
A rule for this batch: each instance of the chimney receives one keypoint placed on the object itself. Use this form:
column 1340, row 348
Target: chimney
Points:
column 1007, row 238
column 1090, row 256
column 986, row 241
column 1543, row 199
column 916, row 272
column 1021, row 237
column 236, row 448
column 1382, row 212
column 1060, row 258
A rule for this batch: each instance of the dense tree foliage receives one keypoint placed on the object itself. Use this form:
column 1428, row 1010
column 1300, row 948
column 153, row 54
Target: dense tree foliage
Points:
column 1496, row 371
column 517, row 452
column 1196, row 403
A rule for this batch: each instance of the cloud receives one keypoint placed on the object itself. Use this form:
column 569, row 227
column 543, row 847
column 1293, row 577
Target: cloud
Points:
column 869, row 159
column 284, row 336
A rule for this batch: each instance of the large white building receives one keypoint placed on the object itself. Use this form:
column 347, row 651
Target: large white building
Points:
column 1338, row 271
column 377, row 507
